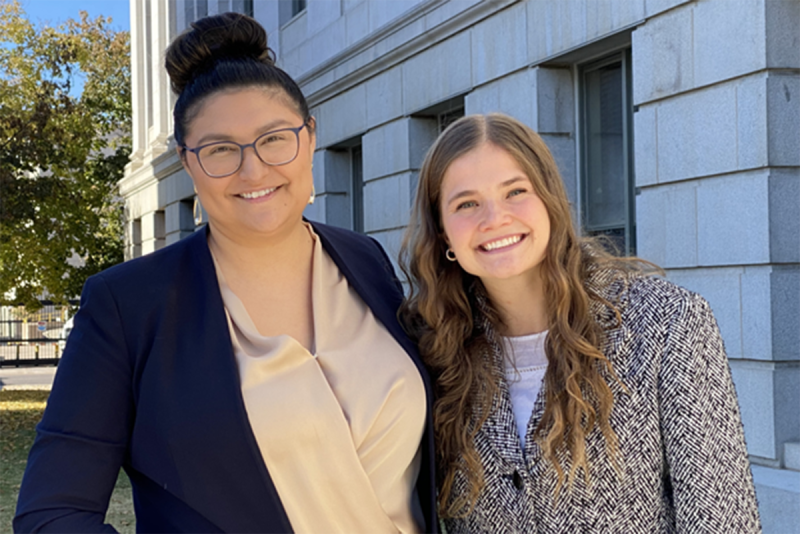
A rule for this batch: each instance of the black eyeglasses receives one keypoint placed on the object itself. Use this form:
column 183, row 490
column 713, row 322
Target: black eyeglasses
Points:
column 223, row 158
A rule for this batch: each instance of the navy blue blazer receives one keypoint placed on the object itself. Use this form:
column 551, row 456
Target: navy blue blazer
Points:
column 149, row 382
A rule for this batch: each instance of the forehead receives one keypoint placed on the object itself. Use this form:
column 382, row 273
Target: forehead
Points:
column 242, row 111
column 484, row 167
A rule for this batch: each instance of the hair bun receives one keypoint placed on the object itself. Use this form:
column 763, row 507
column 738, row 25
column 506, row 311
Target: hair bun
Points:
column 211, row 39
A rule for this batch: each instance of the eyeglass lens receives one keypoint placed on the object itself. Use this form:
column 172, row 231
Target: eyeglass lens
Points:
column 273, row 148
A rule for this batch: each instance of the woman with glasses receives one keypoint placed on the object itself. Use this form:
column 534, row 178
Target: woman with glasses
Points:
column 253, row 376
column 575, row 393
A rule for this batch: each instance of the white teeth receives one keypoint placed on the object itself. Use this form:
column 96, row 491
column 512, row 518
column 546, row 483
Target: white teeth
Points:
column 258, row 194
column 500, row 243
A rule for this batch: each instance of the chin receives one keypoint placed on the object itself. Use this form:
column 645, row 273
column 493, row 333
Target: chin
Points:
column 510, row 273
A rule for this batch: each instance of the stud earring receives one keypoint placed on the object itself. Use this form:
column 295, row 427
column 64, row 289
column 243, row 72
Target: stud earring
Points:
column 313, row 194
column 450, row 255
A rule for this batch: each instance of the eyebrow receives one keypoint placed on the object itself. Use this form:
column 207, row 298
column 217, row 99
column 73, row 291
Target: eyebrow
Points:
column 272, row 125
column 470, row 192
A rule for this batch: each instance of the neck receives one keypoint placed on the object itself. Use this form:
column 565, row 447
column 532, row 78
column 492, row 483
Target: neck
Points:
column 521, row 304
column 261, row 257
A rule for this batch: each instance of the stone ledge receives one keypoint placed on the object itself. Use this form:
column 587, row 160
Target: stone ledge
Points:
column 778, row 479
column 778, row 492
column 379, row 52
column 150, row 170
column 791, row 455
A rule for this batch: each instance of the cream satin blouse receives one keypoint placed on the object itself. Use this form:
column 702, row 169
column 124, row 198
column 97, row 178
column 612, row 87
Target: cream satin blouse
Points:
column 339, row 430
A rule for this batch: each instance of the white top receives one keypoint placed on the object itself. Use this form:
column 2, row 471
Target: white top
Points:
column 525, row 382
column 339, row 430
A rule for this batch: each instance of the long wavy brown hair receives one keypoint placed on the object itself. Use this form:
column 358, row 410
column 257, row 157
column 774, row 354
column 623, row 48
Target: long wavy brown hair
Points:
column 440, row 313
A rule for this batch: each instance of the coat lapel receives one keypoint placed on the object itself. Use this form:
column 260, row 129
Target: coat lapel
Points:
column 499, row 432
column 210, row 437
column 500, row 429
column 209, row 427
column 356, row 259
column 367, row 269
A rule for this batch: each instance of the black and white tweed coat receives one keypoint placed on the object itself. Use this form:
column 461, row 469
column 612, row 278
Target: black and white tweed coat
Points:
column 682, row 450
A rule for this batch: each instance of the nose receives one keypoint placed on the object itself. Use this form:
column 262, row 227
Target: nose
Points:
column 252, row 167
column 494, row 216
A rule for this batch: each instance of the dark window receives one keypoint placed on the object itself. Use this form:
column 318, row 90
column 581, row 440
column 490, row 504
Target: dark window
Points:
column 357, row 189
column 344, row 184
column 449, row 117
column 159, row 228
column 245, row 7
column 607, row 180
column 298, row 6
column 189, row 11
column 186, row 215
column 444, row 113
column 136, row 238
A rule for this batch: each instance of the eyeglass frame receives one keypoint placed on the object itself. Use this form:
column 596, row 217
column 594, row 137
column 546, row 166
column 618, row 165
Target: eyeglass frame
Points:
column 196, row 150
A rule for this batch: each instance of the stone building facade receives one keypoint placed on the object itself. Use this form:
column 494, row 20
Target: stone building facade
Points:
column 675, row 123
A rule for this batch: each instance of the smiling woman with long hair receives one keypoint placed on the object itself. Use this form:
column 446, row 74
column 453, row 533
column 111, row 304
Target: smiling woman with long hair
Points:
column 575, row 391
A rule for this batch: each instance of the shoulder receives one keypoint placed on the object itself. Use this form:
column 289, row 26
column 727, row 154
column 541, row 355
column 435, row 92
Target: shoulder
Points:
column 349, row 244
column 666, row 331
column 658, row 292
column 342, row 236
column 645, row 296
column 150, row 274
column 674, row 303
column 364, row 263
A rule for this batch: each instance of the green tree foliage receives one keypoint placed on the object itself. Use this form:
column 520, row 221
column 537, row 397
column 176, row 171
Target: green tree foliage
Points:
column 61, row 154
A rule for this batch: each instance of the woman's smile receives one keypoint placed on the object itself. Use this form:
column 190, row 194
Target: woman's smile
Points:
column 260, row 195
column 501, row 244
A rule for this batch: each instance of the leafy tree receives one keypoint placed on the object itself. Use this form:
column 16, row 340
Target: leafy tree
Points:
column 61, row 154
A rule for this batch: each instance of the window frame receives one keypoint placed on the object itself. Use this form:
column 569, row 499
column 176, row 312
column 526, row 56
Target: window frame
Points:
column 298, row 6
column 623, row 57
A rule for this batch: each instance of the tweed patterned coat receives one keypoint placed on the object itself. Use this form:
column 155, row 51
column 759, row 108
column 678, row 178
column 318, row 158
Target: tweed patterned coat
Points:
column 682, row 451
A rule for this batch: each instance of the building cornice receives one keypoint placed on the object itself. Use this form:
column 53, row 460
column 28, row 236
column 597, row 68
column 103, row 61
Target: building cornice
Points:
column 426, row 25
column 146, row 175
column 409, row 34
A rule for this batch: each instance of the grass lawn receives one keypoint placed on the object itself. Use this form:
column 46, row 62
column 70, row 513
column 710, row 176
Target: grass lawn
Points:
column 20, row 411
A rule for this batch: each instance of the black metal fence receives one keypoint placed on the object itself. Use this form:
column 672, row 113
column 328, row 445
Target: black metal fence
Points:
column 32, row 338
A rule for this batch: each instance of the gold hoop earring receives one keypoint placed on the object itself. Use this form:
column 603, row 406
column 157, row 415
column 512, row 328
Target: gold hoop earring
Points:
column 313, row 194
column 449, row 254
column 197, row 210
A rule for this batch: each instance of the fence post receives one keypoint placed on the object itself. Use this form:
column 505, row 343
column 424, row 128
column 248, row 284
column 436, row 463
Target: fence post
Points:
column 16, row 364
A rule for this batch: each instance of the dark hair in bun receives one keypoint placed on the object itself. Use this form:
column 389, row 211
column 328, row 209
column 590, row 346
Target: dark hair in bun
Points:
column 223, row 52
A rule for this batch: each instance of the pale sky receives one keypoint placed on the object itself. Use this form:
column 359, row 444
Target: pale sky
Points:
column 54, row 12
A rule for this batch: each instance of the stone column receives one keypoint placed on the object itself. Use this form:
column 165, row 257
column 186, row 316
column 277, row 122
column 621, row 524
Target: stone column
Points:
column 393, row 154
column 138, row 83
column 153, row 231
column 332, row 184
column 162, row 24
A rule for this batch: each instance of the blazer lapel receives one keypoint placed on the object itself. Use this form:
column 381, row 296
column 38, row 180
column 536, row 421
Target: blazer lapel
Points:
column 210, row 437
column 356, row 259
column 209, row 426
column 500, row 428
